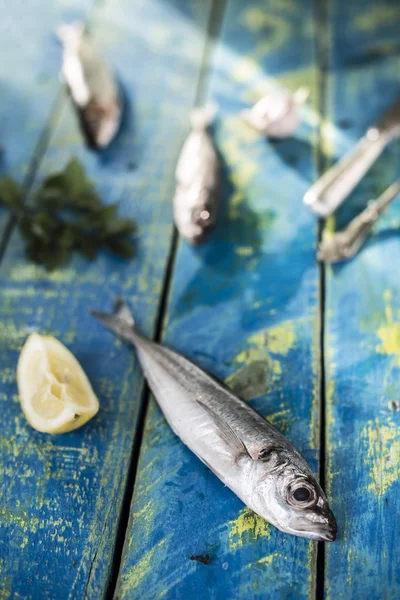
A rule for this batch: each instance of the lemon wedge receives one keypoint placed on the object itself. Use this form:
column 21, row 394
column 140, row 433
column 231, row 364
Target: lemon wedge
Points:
column 55, row 394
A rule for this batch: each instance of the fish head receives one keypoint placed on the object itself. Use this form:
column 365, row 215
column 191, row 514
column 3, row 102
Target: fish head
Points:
column 288, row 496
column 195, row 213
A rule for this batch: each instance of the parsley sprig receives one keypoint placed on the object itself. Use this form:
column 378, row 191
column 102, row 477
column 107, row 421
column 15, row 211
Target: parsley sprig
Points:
column 66, row 215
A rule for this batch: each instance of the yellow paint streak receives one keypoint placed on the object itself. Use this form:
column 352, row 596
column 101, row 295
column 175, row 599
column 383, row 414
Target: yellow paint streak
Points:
column 268, row 560
column 244, row 174
column 29, row 272
column 383, row 454
column 244, row 250
column 246, row 69
column 279, row 339
column 330, row 419
column 377, row 16
column 279, row 417
column 247, row 527
column 273, row 30
column 330, row 226
column 253, row 354
column 328, row 138
column 287, row 80
column 135, row 575
column 389, row 334
column 351, row 555
column 146, row 516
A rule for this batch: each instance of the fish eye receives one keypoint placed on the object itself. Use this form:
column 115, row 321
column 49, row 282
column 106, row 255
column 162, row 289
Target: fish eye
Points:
column 302, row 495
column 201, row 216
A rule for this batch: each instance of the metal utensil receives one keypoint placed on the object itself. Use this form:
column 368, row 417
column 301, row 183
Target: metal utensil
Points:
column 346, row 243
column 336, row 184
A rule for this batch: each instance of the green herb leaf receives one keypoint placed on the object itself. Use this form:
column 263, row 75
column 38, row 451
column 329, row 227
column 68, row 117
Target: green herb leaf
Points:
column 75, row 179
column 11, row 194
column 118, row 227
column 66, row 215
column 88, row 247
column 122, row 248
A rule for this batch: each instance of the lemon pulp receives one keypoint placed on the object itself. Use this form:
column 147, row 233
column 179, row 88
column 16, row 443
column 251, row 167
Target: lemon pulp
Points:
column 55, row 394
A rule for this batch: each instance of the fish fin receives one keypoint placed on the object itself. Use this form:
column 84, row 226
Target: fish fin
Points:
column 200, row 118
column 225, row 431
column 122, row 311
column 271, row 456
column 120, row 321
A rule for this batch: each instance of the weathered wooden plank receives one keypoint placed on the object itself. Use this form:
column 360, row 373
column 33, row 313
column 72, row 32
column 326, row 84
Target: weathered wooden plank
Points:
column 362, row 320
column 245, row 304
column 61, row 496
column 30, row 58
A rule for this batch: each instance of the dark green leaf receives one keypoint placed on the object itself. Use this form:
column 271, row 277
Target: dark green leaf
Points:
column 46, row 225
column 25, row 227
column 66, row 215
column 88, row 247
column 75, row 179
column 69, row 237
column 55, row 182
column 52, row 198
column 11, row 194
column 122, row 248
column 118, row 227
column 87, row 201
column 98, row 219
column 48, row 255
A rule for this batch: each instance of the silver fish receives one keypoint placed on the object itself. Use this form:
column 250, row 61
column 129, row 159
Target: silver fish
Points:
column 246, row 452
column 196, row 200
column 93, row 88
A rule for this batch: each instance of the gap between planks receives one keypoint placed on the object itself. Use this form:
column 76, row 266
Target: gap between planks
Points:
column 214, row 25
column 321, row 38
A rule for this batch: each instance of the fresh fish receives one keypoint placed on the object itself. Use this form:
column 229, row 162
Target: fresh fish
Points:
column 246, row 452
column 277, row 114
column 93, row 88
column 196, row 200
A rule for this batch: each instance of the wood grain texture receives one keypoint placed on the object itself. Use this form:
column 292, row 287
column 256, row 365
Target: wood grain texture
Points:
column 61, row 496
column 362, row 318
column 244, row 306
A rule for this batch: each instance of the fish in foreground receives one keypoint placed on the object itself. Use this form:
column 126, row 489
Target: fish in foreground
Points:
column 95, row 93
column 276, row 114
column 246, row 452
column 196, row 200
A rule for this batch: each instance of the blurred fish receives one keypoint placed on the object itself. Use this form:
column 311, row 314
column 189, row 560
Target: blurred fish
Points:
column 277, row 114
column 244, row 451
column 196, row 200
column 95, row 92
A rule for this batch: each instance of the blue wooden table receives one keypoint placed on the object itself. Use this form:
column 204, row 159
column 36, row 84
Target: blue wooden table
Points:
column 117, row 508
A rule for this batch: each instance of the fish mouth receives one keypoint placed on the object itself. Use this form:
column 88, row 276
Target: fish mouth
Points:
column 322, row 532
column 327, row 534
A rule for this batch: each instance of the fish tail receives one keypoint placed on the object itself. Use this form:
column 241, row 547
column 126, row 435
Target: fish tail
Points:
column 70, row 33
column 120, row 321
column 200, row 118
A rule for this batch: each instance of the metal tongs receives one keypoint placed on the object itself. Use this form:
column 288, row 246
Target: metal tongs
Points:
column 346, row 243
column 335, row 185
